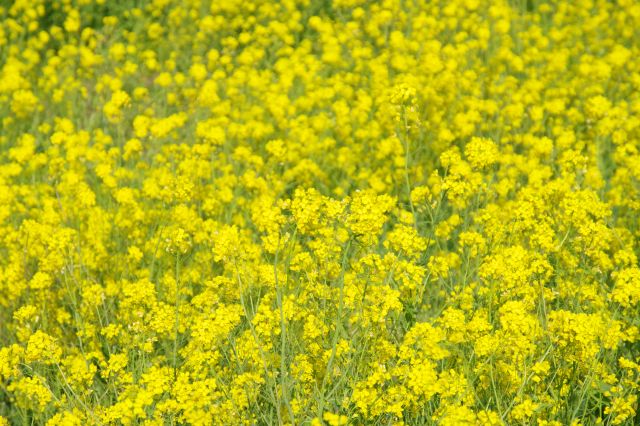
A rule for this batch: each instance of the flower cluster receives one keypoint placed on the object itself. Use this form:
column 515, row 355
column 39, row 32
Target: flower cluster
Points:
column 312, row 212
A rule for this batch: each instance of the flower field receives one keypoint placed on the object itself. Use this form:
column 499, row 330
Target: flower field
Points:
column 319, row 212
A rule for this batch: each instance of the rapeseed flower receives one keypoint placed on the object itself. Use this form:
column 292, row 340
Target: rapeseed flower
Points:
column 319, row 212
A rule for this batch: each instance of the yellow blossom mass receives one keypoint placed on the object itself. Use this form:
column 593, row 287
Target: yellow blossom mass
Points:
column 319, row 212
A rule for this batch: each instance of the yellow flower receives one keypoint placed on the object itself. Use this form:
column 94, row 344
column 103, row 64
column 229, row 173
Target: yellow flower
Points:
column 481, row 152
column 42, row 348
column 113, row 108
column 24, row 103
